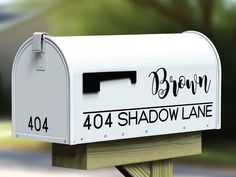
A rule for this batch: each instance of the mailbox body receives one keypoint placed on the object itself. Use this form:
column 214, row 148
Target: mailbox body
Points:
column 75, row 90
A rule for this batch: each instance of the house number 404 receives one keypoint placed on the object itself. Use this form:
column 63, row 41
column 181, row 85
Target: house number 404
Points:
column 38, row 124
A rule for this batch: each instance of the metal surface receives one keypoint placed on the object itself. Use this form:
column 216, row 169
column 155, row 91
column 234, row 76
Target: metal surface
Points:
column 40, row 98
column 177, row 89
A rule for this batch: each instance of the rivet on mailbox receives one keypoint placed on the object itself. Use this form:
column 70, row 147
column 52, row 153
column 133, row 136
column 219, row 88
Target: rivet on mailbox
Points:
column 90, row 89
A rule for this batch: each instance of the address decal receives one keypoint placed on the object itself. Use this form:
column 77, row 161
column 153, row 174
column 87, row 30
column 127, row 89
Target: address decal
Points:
column 37, row 124
column 162, row 85
column 147, row 115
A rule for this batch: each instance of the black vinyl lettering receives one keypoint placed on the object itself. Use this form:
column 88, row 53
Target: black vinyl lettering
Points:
column 162, row 83
column 36, row 124
column 98, row 121
column 124, row 119
column 208, row 110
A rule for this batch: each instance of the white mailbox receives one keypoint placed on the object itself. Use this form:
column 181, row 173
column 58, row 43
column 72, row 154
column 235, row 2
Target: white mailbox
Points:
column 75, row 90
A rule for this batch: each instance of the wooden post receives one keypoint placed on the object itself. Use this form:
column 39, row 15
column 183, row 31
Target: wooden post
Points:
column 139, row 157
column 136, row 170
column 162, row 168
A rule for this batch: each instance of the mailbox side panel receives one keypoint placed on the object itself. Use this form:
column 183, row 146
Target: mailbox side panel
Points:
column 173, row 86
column 40, row 98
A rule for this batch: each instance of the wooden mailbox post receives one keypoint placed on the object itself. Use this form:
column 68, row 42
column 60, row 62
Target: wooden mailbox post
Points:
column 140, row 157
column 130, row 101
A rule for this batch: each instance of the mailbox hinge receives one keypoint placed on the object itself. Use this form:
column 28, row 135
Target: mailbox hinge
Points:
column 38, row 48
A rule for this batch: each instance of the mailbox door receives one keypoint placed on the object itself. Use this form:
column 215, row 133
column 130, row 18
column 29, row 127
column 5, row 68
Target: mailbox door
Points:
column 41, row 97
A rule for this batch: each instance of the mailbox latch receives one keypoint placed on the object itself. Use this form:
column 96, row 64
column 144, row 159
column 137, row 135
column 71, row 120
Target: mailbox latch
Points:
column 38, row 48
